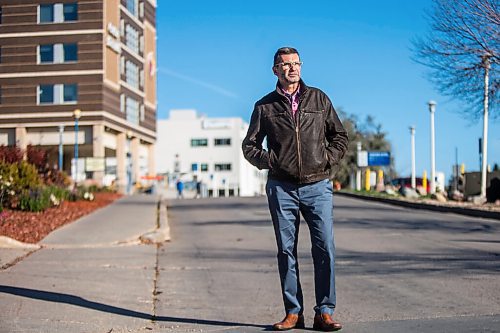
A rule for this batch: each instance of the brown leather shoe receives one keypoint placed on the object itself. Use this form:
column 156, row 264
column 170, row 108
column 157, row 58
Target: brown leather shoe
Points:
column 324, row 322
column 291, row 321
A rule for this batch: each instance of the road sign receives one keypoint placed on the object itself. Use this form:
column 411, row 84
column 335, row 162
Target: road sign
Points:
column 379, row 158
column 362, row 158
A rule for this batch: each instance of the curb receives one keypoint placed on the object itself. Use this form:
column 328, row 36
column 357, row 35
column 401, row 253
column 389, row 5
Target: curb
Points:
column 10, row 243
column 162, row 232
column 420, row 205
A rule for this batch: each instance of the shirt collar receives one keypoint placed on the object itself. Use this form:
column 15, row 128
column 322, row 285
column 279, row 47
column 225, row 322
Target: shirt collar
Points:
column 293, row 95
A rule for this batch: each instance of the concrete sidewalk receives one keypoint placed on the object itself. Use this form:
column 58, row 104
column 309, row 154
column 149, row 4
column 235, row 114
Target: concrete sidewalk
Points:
column 122, row 222
column 92, row 274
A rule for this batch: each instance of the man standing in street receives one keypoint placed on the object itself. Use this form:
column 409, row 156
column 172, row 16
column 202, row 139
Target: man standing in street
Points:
column 305, row 139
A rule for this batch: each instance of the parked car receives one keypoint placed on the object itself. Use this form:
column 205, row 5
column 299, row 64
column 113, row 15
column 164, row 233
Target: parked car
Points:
column 406, row 182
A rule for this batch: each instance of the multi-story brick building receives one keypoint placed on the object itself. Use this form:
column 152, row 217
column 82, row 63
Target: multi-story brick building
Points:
column 96, row 56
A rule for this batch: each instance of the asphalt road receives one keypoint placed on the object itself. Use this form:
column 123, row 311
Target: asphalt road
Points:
column 398, row 270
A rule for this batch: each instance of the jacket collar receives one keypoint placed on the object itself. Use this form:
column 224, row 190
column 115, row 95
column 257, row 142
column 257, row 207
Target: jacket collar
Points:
column 303, row 88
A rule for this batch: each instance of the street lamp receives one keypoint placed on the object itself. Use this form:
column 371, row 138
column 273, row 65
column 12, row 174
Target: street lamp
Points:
column 484, row 172
column 76, row 114
column 413, row 180
column 129, row 162
column 61, row 131
column 432, row 109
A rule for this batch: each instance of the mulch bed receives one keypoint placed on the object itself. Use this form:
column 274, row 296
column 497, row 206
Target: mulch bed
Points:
column 30, row 227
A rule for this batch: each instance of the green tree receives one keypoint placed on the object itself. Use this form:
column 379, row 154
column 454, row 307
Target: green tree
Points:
column 372, row 138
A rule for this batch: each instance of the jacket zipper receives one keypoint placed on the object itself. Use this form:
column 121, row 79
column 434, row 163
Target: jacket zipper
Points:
column 296, row 122
column 297, row 132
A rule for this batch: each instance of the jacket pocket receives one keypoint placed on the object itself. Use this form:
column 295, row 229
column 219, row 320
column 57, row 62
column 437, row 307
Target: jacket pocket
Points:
column 273, row 160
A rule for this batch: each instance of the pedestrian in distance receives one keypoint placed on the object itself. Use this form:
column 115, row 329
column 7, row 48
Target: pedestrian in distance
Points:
column 198, row 189
column 305, row 139
column 180, row 189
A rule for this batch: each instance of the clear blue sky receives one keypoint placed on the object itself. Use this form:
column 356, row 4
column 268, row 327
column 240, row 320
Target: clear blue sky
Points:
column 216, row 57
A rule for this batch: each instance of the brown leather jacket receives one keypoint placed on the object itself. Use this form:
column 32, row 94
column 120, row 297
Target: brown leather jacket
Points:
column 300, row 150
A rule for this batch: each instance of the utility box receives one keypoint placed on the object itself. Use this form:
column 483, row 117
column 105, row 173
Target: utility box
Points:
column 472, row 184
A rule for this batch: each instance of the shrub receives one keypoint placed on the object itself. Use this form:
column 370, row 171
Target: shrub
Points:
column 6, row 191
column 37, row 156
column 11, row 154
column 15, row 179
column 82, row 193
column 50, row 175
column 41, row 198
column 35, row 200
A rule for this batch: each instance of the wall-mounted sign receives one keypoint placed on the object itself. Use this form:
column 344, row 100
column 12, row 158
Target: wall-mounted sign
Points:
column 95, row 164
column 113, row 38
column 215, row 124
column 151, row 64
column 113, row 30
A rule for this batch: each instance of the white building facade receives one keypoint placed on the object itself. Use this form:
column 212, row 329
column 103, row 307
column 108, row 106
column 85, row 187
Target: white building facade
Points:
column 208, row 150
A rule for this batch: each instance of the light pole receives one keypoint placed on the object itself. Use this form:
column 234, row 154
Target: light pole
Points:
column 129, row 162
column 484, row 171
column 358, row 170
column 432, row 109
column 61, row 131
column 413, row 180
column 76, row 114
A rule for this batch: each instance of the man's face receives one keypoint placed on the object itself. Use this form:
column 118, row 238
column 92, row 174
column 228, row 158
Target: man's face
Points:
column 288, row 69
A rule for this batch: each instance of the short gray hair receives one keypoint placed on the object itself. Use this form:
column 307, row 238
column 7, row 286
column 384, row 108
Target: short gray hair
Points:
column 284, row 50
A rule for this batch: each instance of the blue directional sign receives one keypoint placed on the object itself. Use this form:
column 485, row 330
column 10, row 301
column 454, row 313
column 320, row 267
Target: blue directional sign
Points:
column 379, row 158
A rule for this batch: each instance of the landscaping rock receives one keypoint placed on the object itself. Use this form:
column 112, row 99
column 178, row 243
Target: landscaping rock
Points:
column 409, row 193
column 439, row 197
column 390, row 191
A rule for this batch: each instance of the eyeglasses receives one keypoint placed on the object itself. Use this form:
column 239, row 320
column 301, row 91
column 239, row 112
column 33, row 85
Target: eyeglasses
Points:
column 288, row 65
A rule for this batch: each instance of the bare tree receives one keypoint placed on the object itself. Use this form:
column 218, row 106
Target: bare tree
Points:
column 462, row 45
column 462, row 51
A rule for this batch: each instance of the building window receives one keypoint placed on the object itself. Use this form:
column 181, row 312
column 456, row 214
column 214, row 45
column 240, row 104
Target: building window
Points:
column 132, row 74
column 57, row 93
column 132, row 6
column 70, row 52
column 46, row 53
column 132, row 38
column 46, row 13
column 199, row 142
column 57, row 53
column 132, row 110
column 194, row 167
column 204, row 167
column 58, row 13
column 122, row 103
column 46, row 93
column 122, row 65
column 122, row 28
column 222, row 142
column 70, row 93
column 70, row 12
column 223, row 167
column 142, row 113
